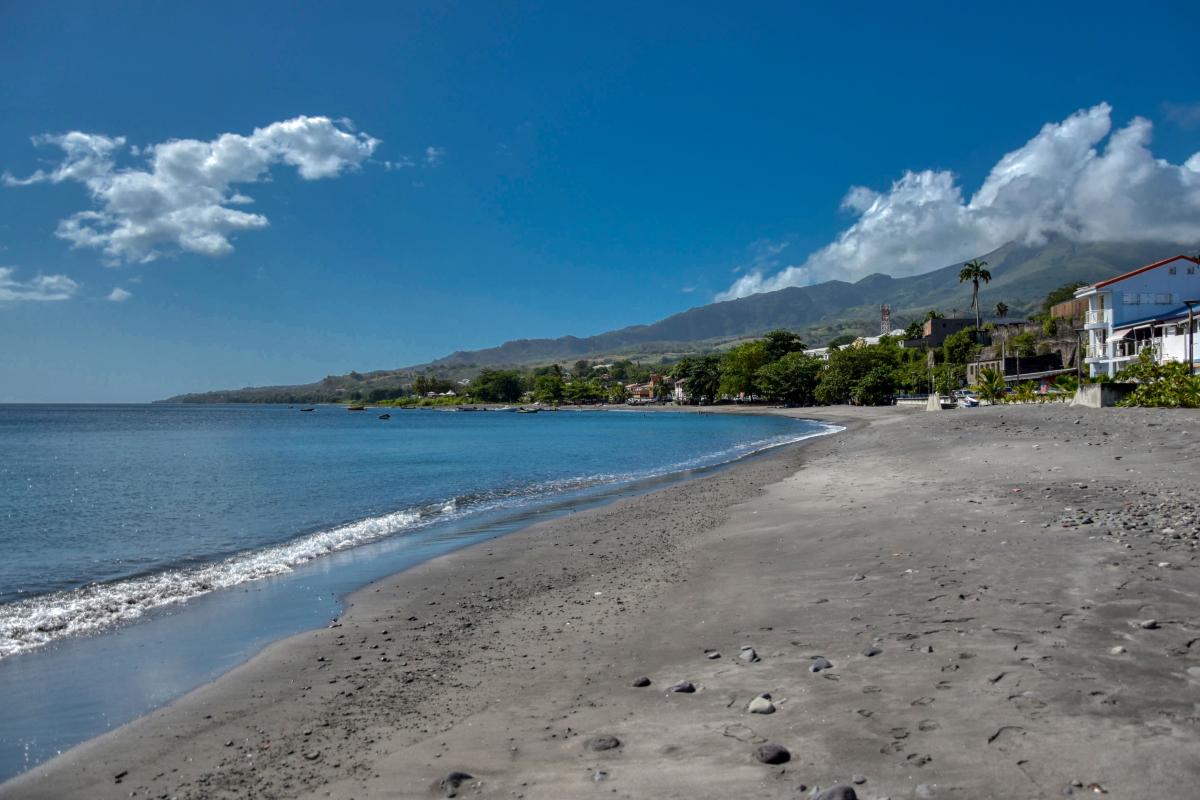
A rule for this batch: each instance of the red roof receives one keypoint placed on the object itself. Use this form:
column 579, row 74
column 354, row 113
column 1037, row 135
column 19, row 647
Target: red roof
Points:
column 1146, row 268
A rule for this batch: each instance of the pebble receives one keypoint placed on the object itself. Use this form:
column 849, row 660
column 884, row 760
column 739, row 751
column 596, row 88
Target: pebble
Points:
column 749, row 655
column 761, row 705
column 601, row 743
column 453, row 781
column 600, row 775
column 712, row 655
column 684, row 687
column 1116, row 651
column 640, row 682
column 1150, row 624
column 871, row 651
column 819, row 663
column 859, row 577
column 859, row 780
column 840, row 792
column 772, row 754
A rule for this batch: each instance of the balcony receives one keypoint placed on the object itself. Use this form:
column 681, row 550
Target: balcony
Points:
column 1122, row 349
column 1097, row 318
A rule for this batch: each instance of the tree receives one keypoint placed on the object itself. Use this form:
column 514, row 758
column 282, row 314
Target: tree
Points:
column 780, row 342
column 701, row 377
column 739, row 368
column 498, row 386
column 959, row 348
column 975, row 271
column 791, row 379
column 839, row 341
column 548, row 388
column 991, row 385
column 842, row 377
column 1023, row 345
column 1001, row 310
column 875, row 388
column 1167, row 385
column 931, row 314
column 915, row 330
column 581, row 369
column 617, row 393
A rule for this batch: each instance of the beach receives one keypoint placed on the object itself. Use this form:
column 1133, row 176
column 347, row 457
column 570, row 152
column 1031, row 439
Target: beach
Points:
column 986, row 603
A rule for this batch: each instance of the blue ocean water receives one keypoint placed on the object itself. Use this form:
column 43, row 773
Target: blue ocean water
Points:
column 170, row 543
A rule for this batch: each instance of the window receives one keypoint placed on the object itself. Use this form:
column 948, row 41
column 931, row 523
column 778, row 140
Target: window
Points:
column 1172, row 271
column 1163, row 298
column 1191, row 270
column 1131, row 299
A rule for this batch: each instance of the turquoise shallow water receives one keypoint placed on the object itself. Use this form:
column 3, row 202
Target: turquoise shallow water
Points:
column 169, row 543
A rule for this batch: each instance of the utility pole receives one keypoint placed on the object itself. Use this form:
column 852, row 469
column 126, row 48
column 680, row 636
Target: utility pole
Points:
column 1191, row 335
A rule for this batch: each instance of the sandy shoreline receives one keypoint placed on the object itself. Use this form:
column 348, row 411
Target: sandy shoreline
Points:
column 942, row 540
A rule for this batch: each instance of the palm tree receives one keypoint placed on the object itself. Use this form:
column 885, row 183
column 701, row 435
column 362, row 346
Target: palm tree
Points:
column 1001, row 310
column 975, row 271
column 991, row 385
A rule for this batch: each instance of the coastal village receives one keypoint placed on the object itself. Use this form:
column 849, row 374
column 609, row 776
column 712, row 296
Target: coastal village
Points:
column 1091, row 344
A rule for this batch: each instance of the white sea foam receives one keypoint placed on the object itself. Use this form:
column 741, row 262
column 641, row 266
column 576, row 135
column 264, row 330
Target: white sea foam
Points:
column 30, row 623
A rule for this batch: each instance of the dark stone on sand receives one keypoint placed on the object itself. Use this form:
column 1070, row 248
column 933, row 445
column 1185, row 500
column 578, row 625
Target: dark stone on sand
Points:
column 840, row 792
column 819, row 663
column 640, row 682
column 601, row 743
column 712, row 655
column 871, row 651
column 859, row 577
column 683, row 687
column 749, row 655
column 451, row 783
column 859, row 780
column 1150, row 625
column 772, row 754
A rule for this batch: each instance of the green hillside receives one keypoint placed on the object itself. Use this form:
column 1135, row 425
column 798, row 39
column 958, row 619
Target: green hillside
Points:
column 1022, row 275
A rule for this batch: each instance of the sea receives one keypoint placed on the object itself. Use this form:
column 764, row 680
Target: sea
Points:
column 150, row 548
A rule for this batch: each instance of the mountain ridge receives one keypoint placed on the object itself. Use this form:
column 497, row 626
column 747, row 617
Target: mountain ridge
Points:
column 1022, row 275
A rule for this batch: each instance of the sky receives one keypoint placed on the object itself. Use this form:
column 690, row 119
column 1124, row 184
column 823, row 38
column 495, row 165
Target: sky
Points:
column 211, row 195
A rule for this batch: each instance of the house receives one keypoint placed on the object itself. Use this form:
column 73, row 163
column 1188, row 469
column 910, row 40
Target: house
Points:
column 1144, row 308
column 679, row 393
column 1015, row 369
column 936, row 330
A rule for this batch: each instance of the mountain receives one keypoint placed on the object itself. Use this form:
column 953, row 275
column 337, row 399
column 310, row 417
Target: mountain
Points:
column 1022, row 275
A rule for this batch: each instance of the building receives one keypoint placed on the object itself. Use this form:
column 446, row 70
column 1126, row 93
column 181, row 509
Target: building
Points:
column 1041, row 368
column 1141, row 309
column 936, row 330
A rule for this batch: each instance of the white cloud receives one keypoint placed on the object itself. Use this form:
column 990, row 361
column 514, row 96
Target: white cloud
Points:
column 1059, row 182
column 434, row 156
column 183, row 197
column 119, row 295
column 41, row 287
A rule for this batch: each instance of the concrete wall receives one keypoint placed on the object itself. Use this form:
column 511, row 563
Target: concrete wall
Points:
column 1102, row 395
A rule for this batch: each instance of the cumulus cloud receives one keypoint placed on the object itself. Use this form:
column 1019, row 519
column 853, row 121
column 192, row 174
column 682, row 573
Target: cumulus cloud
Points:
column 1076, row 178
column 434, row 156
column 39, row 288
column 183, row 197
column 119, row 295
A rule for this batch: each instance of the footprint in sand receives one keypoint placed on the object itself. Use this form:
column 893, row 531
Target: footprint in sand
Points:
column 921, row 701
column 927, row 725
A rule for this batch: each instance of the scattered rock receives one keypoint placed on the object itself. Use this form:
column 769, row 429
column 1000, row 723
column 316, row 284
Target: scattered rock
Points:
column 683, row 687
column 640, row 682
column 819, row 663
column 712, row 655
column 749, row 655
column 871, row 651
column 839, row 792
column 859, row 780
column 451, row 783
column 120, row 776
column 858, row 577
column 601, row 743
column 1116, row 651
column 761, row 705
column 600, row 775
column 772, row 754
column 1150, row 625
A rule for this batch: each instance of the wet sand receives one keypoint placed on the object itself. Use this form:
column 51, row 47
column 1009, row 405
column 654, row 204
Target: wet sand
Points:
column 1024, row 578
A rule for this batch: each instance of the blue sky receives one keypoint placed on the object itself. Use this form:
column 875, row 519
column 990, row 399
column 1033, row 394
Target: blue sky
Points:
column 499, row 171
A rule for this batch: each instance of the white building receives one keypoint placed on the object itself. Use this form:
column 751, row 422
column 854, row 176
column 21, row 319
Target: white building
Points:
column 1141, row 309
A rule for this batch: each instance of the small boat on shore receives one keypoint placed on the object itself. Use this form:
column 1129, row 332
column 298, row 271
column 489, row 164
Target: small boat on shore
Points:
column 528, row 410
column 356, row 408
column 385, row 416
column 308, row 409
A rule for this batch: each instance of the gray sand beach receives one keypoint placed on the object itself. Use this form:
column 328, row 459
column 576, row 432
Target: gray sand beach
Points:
column 988, row 603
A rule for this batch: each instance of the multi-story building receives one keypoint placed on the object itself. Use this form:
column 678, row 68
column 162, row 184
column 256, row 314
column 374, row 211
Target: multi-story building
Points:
column 1145, row 308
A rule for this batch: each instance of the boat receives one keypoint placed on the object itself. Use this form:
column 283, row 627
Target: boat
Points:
column 504, row 408
column 356, row 408
column 308, row 409
column 385, row 416
column 528, row 410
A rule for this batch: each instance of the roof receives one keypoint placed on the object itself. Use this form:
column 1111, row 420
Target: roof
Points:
column 1168, row 316
column 1146, row 268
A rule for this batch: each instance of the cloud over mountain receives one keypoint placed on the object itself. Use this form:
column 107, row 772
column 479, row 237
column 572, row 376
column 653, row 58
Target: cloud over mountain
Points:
column 184, row 197
column 1060, row 182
